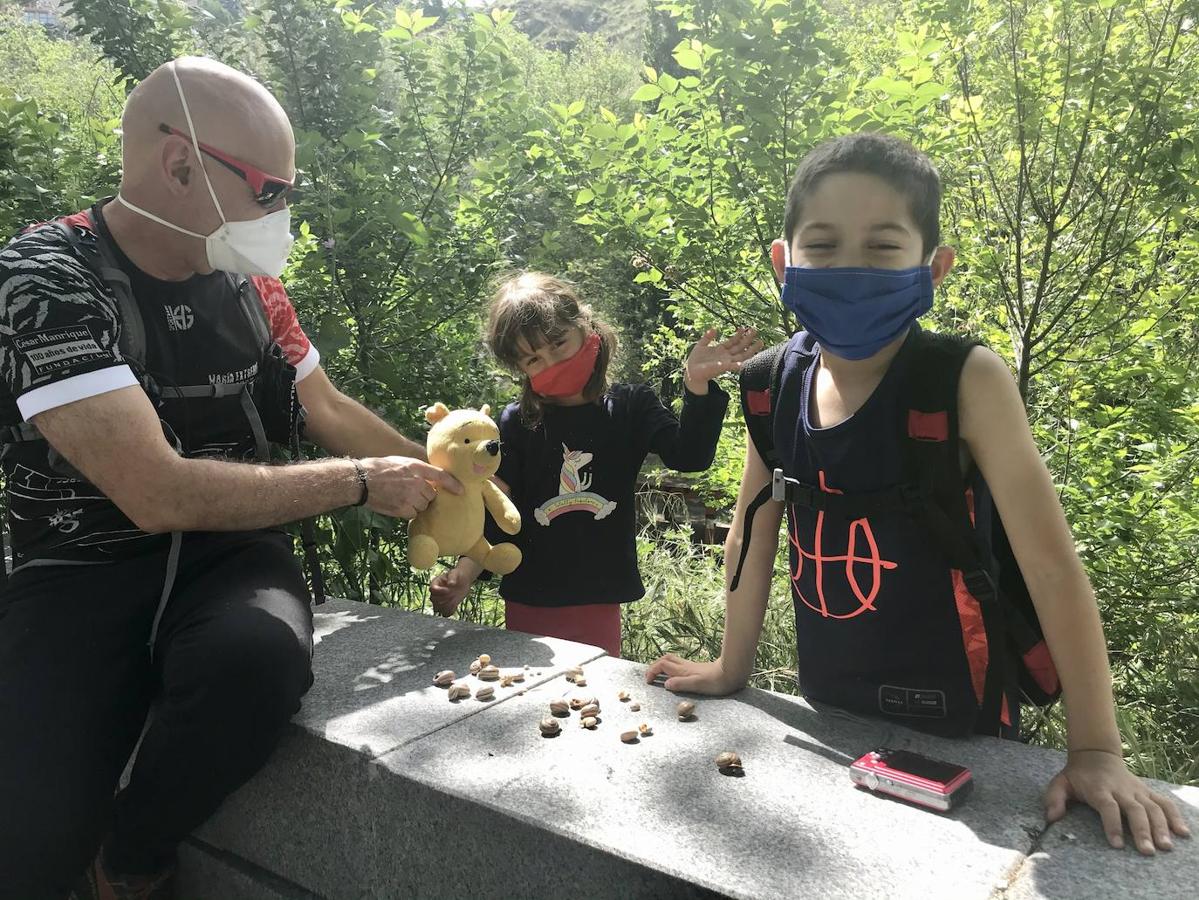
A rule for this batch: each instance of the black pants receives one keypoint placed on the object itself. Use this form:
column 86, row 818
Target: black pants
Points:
column 77, row 680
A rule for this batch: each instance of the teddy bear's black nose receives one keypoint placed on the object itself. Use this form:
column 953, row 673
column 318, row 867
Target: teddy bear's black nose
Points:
column 493, row 447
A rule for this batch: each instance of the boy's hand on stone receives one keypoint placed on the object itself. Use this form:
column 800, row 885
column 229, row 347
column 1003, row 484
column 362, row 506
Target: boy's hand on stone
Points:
column 447, row 591
column 1100, row 779
column 707, row 359
column 691, row 677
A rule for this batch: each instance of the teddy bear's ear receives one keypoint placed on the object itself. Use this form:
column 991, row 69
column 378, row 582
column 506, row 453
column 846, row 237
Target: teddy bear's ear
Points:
column 485, row 409
column 436, row 413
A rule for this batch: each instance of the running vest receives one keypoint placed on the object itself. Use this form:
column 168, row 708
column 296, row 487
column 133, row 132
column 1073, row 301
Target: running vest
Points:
column 908, row 601
column 234, row 400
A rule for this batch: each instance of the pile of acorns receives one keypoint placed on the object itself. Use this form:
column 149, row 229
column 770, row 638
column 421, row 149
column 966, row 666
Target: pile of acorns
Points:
column 483, row 670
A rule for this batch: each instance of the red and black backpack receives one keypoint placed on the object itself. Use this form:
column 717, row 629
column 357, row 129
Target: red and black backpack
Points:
column 935, row 493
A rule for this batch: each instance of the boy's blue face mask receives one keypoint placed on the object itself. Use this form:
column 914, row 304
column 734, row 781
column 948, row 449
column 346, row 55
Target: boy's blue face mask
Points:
column 854, row 312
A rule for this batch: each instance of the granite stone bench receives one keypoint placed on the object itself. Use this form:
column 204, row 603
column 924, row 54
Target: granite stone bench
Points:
column 385, row 789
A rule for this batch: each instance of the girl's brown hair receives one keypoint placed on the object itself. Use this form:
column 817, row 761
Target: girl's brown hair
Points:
column 540, row 308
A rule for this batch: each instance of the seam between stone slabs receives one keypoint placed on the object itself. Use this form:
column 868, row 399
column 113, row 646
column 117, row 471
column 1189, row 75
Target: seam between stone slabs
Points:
column 255, row 872
column 551, row 675
column 1012, row 876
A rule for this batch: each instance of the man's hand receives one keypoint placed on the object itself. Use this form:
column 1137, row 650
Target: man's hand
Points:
column 692, row 677
column 401, row 486
column 1102, row 780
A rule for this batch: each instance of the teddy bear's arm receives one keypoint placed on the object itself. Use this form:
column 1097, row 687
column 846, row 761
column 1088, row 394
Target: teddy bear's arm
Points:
column 506, row 516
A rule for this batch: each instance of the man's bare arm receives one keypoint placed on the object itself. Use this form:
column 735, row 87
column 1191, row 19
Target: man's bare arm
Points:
column 344, row 426
column 116, row 441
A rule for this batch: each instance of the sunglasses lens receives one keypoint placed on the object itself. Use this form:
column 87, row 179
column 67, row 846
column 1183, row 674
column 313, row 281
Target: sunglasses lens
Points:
column 272, row 192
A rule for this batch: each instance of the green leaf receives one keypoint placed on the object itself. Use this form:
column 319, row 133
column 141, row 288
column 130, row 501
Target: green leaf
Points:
column 585, row 196
column 646, row 93
column 687, row 58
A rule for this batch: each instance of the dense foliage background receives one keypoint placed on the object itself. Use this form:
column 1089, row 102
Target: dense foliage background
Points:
column 644, row 149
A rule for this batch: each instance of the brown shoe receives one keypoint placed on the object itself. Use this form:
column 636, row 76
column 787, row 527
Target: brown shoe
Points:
column 98, row 883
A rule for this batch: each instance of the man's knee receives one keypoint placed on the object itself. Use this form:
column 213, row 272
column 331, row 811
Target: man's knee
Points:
column 254, row 661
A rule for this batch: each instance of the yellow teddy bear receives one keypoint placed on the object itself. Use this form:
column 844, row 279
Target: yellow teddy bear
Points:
column 465, row 443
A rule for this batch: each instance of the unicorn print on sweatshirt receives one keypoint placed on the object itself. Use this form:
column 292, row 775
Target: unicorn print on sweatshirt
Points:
column 573, row 493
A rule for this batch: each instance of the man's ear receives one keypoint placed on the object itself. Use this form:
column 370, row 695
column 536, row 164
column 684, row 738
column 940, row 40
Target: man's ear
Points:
column 177, row 164
column 436, row 413
column 778, row 258
column 941, row 263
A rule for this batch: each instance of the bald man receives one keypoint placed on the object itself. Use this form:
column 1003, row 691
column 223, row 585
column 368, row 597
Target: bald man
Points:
column 148, row 353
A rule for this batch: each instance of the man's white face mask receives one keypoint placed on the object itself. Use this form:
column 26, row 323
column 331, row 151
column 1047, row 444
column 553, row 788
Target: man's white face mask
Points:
column 249, row 247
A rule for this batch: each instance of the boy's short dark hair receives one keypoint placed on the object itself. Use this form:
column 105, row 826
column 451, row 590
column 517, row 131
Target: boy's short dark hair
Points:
column 892, row 159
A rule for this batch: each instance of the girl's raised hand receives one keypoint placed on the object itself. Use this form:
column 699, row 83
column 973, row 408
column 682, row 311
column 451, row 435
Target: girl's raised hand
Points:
column 708, row 359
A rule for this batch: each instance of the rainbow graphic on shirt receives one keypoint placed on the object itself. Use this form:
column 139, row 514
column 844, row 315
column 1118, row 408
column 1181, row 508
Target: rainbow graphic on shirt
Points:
column 573, row 493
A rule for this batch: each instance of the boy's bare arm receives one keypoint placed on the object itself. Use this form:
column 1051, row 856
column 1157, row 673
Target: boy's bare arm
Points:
column 994, row 426
column 745, row 608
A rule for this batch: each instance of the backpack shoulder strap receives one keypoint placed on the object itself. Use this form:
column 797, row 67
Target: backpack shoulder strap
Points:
column 251, row 304
column 100, row 258
column 759, row 387
column 932, row 462
column 931, row 441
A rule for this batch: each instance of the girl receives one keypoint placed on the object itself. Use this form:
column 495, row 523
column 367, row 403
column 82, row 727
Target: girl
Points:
column 572, row 448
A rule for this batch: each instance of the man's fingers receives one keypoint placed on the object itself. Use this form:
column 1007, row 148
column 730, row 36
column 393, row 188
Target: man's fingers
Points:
column 434, row 475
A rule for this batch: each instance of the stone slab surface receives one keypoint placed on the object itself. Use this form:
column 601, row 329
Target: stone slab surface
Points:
column 387, row 790
column 205, row 874
column 374, row 670
column 794, row 825
column 311, row 813
column 1074, row 860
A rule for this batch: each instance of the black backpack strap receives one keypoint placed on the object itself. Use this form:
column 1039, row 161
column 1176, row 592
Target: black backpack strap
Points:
column 931, row 440
column 759, row 387
column 99, row 256
column 251, row 304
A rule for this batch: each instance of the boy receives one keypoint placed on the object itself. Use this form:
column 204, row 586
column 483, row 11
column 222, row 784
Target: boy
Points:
column 860, row 259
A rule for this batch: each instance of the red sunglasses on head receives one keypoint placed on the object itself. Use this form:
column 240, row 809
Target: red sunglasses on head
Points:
column 268, row 189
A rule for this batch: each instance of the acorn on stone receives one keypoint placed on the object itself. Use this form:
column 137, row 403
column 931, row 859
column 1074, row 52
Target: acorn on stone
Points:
column 629, row 737
column 475, row 667
column 623, row 696
column 559, row 708
column 484, row 660
column 729, row 763
column 579, row 702
column 635, row 707
column 549, row 726
column 589, row 722
column 686, row 710
column 489, row 673
column 444, row 678
column 591, row 709
column 487, row 692
column 645, row 730
column 574, row 672
column 458, row 692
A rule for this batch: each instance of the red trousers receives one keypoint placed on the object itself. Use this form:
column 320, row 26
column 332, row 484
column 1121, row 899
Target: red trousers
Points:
column 595, row 623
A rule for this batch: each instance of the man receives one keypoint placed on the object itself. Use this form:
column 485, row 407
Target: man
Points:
column 147, row 564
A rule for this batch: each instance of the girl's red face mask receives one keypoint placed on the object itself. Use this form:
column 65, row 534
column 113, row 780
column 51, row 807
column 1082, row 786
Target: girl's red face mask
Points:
column 569, row 377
